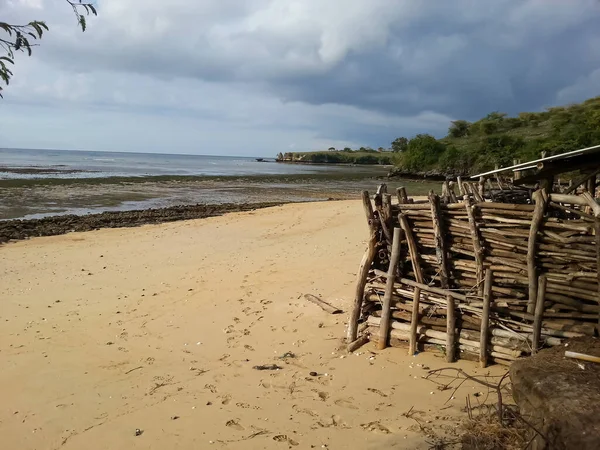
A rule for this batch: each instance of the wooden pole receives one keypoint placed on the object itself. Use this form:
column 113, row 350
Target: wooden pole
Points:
column 384, row 327
column 363, row 270
column 476, row 243
column 536, row 221
column 485, row 319
column 402, row 197
column 583, row 179
column 442, row 255
column 597, row 233
column 414, row 257
column 482, row 187
column 539, row 314
column 439, row 237
column 461, row 188
column 591, row 185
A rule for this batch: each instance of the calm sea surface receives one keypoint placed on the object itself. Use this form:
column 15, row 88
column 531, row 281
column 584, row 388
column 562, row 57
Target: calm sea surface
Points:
column 27, row 164
column 41, row 183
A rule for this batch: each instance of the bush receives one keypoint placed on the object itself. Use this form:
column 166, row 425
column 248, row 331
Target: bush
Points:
column 459, row 128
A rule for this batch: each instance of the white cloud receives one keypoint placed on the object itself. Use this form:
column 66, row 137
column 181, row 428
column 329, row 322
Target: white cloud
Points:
column 240, row 76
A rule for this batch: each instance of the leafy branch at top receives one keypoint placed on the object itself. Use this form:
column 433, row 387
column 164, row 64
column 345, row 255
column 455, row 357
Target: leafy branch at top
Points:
column 20, row 38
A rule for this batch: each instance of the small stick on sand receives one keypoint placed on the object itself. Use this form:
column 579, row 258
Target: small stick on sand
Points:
column 323, row 304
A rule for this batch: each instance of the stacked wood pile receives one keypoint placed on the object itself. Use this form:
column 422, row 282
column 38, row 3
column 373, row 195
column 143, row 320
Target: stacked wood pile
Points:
column 478, row 279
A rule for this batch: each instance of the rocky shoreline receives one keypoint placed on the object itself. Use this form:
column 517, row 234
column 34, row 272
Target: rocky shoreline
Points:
column 18, row 229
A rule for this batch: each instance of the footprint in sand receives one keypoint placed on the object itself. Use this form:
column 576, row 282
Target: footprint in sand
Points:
column 284, row 438
column 226, row 399
column 323, row 396
column 235, row 424
column 377, row 391
column 333, row 421
column 375, row 427
column 344, row 403
column 249, row 347
column 212, row 388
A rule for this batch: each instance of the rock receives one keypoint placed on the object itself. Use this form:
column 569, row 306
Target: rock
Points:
column 559, row 398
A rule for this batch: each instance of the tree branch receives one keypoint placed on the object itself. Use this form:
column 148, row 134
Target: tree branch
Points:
column 19, row 37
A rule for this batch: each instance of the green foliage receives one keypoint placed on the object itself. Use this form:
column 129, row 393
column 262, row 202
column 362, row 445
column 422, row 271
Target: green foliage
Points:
column 499, row 140
column 18, row 38
column 399, row 145
column 338, row 157
column 459, row 128
column 423, row 152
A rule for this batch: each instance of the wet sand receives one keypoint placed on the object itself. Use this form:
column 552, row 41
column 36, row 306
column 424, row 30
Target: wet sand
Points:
column 39, row 198
column 158, row 328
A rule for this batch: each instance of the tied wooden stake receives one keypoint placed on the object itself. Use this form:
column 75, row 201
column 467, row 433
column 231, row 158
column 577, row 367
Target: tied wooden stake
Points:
column 384, row 327
column 363, row 270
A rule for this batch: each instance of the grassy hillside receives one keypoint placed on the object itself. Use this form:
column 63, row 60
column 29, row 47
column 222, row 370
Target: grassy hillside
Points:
column 499, row 139
column 338, row 157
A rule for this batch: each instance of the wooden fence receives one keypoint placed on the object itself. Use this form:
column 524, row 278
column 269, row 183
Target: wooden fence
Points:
column 478, row 279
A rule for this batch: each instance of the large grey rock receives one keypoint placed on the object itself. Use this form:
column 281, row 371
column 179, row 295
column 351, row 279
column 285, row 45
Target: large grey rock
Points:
column 561, row 396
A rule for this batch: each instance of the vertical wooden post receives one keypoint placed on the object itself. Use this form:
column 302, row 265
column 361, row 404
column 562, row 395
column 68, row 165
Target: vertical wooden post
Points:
column 516, row 173
column 547, row 184
column 539, row 314
column 482, row 187
column 591, row 186
column 460, row 186
column 597, row 233
column 384, row 325
column 414, row 257
column 386, row 212
column 442, row 257
column 539, row 198
column 380, row 214
column 451, row 192
column 485, row 319
column 363, row 270
column 440, row 240
column 402, row 197
column 478, row 249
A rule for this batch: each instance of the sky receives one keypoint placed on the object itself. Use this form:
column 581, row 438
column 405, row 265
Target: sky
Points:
column 256, row 77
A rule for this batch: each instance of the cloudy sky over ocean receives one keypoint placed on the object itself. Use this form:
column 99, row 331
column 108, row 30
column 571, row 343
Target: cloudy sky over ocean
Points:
column 255, row 77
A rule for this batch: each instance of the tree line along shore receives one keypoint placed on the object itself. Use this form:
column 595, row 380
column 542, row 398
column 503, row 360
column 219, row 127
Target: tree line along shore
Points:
column 471, row 147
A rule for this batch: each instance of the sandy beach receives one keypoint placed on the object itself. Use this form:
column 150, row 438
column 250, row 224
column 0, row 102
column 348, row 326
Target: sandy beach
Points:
column 158, row 329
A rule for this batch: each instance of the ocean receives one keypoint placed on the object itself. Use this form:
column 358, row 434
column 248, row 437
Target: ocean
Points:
column 42, row 183
column 33, row 164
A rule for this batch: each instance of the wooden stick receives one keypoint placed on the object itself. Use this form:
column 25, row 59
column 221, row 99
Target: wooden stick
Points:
column 387, row 298
column 402, row 197
column 582, row 357
column 414, row 256
column 355, row 345
column 481, row 191
column 485, row 319
column 461, row 188
column 539, row 314
column 322, row 304
column 538, row 215
column 476, row 243
column 592, row 203
column 583, row 179
column 597, row 232
column 439, row 237
column 568, row 199
column 363, row 270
